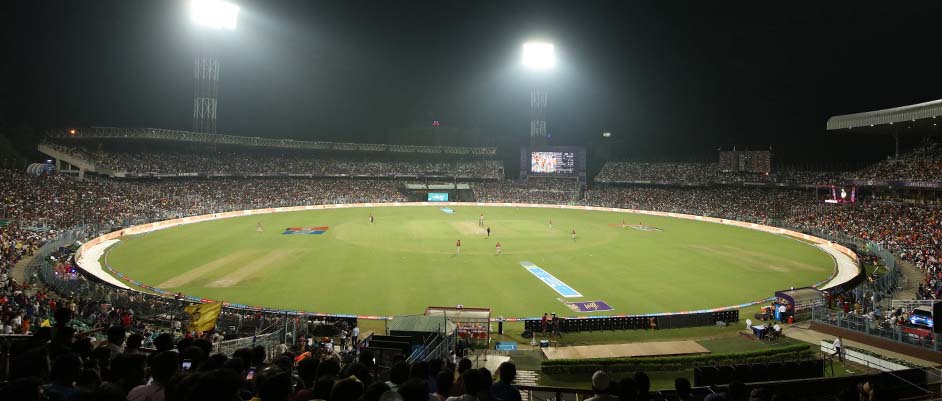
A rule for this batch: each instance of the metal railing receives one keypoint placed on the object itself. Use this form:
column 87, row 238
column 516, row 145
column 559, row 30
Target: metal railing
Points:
column 436, row 346
column 907, row 304
column 269, row 341
column 877, row 328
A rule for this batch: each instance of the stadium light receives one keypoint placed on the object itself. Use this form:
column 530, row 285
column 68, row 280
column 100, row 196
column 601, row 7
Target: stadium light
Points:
column 539, row 55
column 216, row 14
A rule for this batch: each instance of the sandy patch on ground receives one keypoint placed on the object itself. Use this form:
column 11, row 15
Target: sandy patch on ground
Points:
column 200, row 271
column 251, row 267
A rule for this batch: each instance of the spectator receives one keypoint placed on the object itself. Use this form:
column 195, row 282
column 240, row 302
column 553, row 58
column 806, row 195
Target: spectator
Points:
column 65, row 371
column 116, row 336
column 473, row 383
column 644, row 386
column 375, row 391
column 682, row 389
column 163, row 367
column 349, row 389
column 601, row 384
column 444, row 382
column 627, row 389
column 503, row 390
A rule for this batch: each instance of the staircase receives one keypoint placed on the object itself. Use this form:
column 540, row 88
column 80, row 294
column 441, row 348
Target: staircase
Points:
column 527, row 378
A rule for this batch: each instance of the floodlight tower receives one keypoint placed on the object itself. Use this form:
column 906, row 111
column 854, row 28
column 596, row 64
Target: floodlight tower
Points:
column 209, row 16
column 538, row 57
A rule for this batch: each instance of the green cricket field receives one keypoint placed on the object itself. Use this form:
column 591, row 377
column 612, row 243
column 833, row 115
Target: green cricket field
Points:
column 407, row 259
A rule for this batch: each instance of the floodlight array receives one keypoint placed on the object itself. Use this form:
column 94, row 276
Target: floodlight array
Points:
column 539, row 55
column 216, row 14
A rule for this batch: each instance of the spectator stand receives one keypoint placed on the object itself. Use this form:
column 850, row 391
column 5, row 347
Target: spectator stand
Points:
column 433, row 336
column 389, row 349
column 758, row 372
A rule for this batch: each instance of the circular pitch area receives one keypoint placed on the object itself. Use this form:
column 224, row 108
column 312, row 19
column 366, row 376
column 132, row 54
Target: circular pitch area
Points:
column 338, row 261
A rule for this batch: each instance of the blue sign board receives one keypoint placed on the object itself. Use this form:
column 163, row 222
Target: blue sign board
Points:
column 438, row 196
column 506, row 346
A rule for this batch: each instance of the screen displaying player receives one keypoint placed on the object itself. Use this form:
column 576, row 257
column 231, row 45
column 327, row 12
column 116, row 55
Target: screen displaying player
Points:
column 842, row 195
column 552, row 162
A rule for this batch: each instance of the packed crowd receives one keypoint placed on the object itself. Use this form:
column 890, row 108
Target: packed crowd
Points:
column 281, row 163
column 65, row 365
column 60, row 202
column 914, row 232
column 706, row 173
column 752, row 204
column 534, row 190
column 659, row 172
column 922, row 164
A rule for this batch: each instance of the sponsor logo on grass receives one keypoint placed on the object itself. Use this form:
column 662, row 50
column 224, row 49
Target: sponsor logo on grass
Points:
column 448, row 210
column 305, row 230
column 589, row 306
column 548, row 279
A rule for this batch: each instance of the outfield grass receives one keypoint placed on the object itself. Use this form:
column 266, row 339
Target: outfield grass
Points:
column 406, row 261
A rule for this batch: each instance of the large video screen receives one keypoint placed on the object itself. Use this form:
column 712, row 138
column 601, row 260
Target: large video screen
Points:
column 552, row 162
column 922, row 320
column 842, row 195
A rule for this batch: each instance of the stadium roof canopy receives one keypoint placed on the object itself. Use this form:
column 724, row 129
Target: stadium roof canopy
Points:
column 422, row 324
column 917, row 119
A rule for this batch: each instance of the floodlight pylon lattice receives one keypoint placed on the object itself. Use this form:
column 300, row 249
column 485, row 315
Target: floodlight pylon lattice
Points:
column 539, row 101
column 208, row 15
column 205, row 93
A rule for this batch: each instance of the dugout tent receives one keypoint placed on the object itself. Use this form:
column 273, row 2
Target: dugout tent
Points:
column 421, row 326
column 801, row 298
column 471, row 323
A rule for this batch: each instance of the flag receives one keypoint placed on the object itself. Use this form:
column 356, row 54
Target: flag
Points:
column 203, row 316
column 45, row 323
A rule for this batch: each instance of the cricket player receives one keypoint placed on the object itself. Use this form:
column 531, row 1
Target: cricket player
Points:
column 573, row 234
column 458, row 248
column 497, row 248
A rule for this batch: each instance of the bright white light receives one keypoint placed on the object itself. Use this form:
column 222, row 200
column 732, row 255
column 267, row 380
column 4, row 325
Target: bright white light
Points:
column 215, row 14
column 539, row 55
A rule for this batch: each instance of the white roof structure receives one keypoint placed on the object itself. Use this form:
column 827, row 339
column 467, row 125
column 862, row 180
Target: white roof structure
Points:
column 900, row 114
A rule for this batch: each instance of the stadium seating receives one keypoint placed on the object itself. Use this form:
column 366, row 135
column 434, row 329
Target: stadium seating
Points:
column 763, row 372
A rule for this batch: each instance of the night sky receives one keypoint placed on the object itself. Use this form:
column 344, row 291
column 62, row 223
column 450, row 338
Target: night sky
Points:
column 671, row 80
